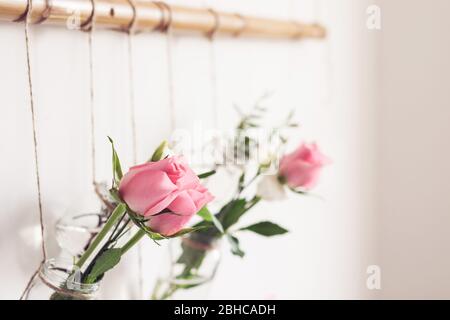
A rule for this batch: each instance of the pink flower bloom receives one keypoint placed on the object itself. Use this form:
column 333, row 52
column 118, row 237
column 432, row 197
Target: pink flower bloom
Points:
column 301, row 168
column 169, row 185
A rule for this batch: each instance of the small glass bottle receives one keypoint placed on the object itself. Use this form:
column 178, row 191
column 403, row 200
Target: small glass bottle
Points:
column 74, row 233
column 58, row 279
column 193, row 264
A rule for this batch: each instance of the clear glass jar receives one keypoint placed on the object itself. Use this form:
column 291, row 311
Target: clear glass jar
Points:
column 193, row 263
column 74, row 233
column 57, row 279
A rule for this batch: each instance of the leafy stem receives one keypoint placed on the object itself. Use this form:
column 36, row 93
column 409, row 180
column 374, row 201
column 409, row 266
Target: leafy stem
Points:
column 113, row 219
column 135, row 239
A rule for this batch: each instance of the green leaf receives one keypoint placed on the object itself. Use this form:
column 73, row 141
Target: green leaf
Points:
column 231, row 212
column 117, row 169
column 185, row 231
column 205, row 214
column 306, row 193
column 159, row 152
column 106, row 261
column 209, row 217
column 234, row 243
column 217, row 224
column 299, row 191
column 152, row 234
column 266, row 228
column 206, row 174
column 187, row 286
column 241, row 181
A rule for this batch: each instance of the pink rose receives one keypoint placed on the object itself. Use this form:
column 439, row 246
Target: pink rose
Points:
column 168, row 185
column 301, row 168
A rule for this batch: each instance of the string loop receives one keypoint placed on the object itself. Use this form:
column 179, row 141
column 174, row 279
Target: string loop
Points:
column 132, row 25
column 244, row 23
column 88, row 25
column 166, row 16
column 300, row 30
column 46, row 13
column 28, row 13
column 210, row 34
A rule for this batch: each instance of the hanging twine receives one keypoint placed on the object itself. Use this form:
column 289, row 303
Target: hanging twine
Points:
column 35, row 143
column 170, row 77
column 89, row 27
column 328, row 61
column 91, row 109
column 171, row 85
column 165, row 26
column 213, row 73
column 291, row 53
column 130, row 32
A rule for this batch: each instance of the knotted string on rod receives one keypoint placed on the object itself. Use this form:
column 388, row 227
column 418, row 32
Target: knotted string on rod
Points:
column 117, row 14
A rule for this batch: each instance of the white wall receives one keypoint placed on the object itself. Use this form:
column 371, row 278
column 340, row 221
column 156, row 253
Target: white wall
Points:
column 414, row 157
column 330, row 83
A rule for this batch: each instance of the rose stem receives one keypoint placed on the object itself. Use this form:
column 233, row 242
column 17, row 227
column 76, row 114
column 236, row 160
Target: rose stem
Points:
column 117, row 213
column 138, row 236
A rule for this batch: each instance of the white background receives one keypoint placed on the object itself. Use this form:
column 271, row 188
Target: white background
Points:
column 375, row 101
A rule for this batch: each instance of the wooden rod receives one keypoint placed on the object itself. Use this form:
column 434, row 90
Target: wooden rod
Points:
column 147, row 15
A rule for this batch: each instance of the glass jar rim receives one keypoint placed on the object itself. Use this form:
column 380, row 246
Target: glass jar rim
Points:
column 57, row 273
column 65, row 222
column 206, row 245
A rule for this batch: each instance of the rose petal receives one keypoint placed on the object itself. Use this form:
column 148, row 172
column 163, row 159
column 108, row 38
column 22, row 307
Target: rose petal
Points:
column 200, row 196
column 168, row 223
column 144, row 188
column 161, row 205
column 183, row 204
column 302, row 174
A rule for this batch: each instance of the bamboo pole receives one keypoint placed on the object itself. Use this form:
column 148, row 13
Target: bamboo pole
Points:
column 146, row 15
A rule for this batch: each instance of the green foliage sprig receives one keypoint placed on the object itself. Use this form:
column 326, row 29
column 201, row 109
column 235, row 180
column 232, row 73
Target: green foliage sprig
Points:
column 220, row 225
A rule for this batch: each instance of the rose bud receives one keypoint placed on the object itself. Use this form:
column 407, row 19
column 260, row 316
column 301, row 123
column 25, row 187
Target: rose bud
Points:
column 167, row 185
column 301, row 168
